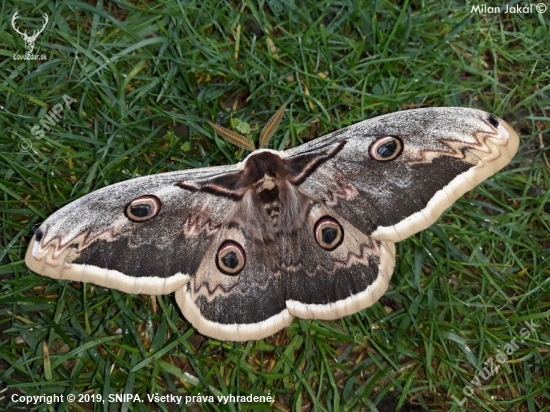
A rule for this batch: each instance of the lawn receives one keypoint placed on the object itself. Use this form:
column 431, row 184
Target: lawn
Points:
column 466, row 321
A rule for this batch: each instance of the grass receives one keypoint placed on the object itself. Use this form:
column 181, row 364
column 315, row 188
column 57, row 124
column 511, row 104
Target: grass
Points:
column 147, row 76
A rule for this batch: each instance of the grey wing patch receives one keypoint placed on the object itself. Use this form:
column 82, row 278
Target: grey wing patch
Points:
column 249, row 305
column 290, row 277
column 94, row 240
column 330, row 284
column 447, row 151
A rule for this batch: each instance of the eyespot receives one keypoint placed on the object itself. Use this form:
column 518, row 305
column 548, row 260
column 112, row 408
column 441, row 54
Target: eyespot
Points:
column 493, row 120
column 142, row 208
column 230, row 258
column 385, row 148
column 328, row 233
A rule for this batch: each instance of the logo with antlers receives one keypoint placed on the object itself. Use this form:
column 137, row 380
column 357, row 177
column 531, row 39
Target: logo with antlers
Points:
column 29, row 39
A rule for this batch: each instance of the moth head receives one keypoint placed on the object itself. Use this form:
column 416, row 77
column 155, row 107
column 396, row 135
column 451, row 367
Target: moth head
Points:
column 230, row 258
column 385, row 148
column 142, row 208
column 328, row 233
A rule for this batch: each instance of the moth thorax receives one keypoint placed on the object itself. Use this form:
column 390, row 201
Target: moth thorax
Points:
column 266, row 183
column 268, row 193
column 273, row 210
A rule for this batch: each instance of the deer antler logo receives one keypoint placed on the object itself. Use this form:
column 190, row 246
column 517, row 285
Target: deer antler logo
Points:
column 29, row 40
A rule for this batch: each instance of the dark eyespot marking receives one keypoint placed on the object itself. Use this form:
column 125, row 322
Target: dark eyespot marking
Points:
column 493, row 120
column 385, row 148
column 230, row 258
column 328, row 233
column 39, row 235
column 142, row 208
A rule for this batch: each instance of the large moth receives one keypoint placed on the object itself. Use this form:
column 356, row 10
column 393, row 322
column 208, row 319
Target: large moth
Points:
column 307, row 232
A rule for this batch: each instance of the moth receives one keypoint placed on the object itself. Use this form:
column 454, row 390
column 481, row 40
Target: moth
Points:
column 307, row 232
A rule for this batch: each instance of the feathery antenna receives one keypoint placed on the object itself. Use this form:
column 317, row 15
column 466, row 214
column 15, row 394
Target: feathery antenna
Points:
column 235, row 138
column 242, row 142
column 271, row 126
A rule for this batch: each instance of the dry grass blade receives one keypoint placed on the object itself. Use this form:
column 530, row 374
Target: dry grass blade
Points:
column 233, row 137
column 271, row 126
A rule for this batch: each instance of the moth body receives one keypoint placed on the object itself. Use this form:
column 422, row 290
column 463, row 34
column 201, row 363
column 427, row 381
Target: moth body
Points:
column 307, row 232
